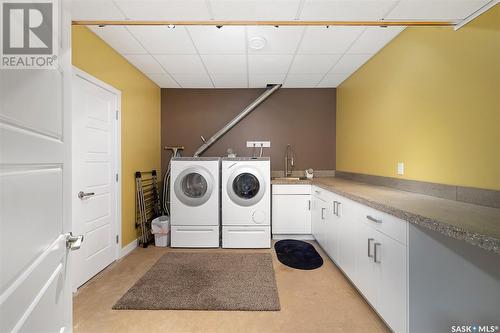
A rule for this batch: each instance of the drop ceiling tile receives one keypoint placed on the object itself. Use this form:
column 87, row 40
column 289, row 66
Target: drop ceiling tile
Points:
column 302, row 80
column 95, row 10
column 164, row 9
column 349, row 63
column 164, row 80
column 332, row 80
column 163, row 40
column 254, row 9
column 374, row 39
column 313, row 63
column 145, row 63
column 328, row 40
column 346, row 10
column 230, row 80
column 210, row 40
column 193, row 80
column 225, row 64
column 181, row 64
column 261, row 80
column 282, row 40
column 435, row 9
column 269, row 64
column 119, row 38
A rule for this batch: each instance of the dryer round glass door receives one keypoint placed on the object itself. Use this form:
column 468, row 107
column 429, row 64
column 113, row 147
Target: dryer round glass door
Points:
column 246, row 187
column 194, row 186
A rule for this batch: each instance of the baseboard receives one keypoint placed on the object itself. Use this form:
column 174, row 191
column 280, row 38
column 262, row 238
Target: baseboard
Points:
column 128, row 248
column 293, row 236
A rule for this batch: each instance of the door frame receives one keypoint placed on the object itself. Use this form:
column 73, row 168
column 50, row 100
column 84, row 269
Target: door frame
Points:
column 78, row 73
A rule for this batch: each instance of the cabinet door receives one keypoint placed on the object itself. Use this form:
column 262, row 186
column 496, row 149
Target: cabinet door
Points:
column 319, row 216
column 332, row 231
column 291, row 214
column 315, row 217
column 365, row 275
column 390, row 266
column 350, row 238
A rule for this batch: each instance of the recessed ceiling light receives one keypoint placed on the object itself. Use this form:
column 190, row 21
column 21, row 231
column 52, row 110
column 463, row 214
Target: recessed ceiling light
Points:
column 257, row 43
column 171, row 26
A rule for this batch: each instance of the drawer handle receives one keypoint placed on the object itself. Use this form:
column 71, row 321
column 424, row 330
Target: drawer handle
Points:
column 370, row 240
column 195, row 230
column 376, row 258
column 371, row 218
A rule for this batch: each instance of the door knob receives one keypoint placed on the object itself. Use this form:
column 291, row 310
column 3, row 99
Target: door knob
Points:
column 73, row 242
column 82, row 195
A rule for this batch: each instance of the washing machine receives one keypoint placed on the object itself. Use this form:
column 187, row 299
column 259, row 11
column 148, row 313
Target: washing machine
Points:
column 194, row 202
column 246, row 202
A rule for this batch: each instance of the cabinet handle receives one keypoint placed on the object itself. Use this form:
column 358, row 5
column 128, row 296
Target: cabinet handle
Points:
column 371, row 218
column 309, row 204
column 337, row 213
column 317, row 192
column 375, row 258
column 370, row 240
column 323, row 213
column 335, row 207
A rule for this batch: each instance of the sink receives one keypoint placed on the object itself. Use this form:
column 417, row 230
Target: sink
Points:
column 288, row 178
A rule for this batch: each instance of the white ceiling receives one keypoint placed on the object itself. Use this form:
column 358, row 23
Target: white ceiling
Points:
column 207, row 57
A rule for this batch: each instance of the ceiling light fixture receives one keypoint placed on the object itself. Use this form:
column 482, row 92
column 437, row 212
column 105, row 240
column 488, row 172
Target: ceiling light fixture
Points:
column 171, row 26
column 219, row 26
column 257, row 43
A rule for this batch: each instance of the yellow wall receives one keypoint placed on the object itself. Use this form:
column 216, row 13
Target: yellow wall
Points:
column 140, row 114
column 431, row 99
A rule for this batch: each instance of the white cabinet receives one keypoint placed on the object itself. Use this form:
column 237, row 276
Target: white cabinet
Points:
column 370, row 247
column 381, row 271
column 291, row 212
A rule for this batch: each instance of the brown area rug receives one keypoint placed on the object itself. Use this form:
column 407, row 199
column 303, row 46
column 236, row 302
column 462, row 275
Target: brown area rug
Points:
column 206, row 281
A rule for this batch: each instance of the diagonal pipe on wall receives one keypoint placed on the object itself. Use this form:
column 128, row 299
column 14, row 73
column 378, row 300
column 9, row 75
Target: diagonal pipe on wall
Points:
column 236, row 119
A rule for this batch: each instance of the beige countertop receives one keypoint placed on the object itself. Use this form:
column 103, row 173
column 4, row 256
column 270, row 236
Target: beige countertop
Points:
column 477, row 225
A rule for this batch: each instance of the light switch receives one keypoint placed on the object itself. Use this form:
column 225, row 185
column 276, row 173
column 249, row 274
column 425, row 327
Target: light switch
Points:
column 401, row 168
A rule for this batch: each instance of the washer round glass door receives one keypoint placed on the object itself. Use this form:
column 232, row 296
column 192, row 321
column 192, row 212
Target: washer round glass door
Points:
column 194, row 186
column 246, row 187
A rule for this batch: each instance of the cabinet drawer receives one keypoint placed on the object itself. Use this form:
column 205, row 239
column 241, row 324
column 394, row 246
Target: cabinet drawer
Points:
column 324, row 195
column 291, row 189
column 195, row 236
column 387, row 224
column 245, row 237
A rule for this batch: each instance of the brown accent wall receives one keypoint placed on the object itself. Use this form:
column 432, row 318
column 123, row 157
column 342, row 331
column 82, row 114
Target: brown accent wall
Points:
column 304, row 118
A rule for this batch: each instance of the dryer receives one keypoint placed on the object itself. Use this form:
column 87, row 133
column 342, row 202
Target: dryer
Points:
column 246, row 202
column 194, row 203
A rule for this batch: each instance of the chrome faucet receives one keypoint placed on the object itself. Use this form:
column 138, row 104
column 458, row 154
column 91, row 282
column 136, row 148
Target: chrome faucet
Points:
column 289, row 156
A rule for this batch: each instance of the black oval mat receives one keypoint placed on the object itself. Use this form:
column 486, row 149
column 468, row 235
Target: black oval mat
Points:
column 297, row 254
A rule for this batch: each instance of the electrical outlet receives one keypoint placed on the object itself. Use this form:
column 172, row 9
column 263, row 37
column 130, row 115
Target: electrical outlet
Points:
column 401, row 168
column 258, row 144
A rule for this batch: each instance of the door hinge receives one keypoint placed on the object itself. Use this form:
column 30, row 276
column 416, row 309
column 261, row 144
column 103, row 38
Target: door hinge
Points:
column 116, row 177
column 116, row 114
column 117, row 239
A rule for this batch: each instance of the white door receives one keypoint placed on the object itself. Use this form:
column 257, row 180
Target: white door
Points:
column 35, row 204
column 95, row 169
